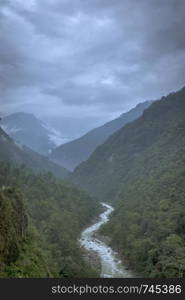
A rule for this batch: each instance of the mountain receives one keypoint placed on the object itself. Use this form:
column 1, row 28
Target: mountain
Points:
column 30, row 131
column 141, row 169
column 73, row 153
column 113, row 160
column 21, row 155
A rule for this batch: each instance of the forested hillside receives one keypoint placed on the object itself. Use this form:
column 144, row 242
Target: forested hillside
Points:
column 145, row 164
column 71, row 154
column 40, row 223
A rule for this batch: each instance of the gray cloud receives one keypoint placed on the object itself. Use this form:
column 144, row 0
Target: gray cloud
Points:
column 89, row 59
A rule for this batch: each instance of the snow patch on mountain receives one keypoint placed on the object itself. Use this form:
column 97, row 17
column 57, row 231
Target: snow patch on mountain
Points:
column 28, row 130
column 10, row 130
column 55, row 135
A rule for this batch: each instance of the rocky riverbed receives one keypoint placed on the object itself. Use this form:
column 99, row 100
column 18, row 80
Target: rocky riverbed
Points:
column 98, row 252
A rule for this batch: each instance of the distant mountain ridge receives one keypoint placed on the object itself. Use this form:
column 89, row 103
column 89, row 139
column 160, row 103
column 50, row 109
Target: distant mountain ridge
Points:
column 21, row 155
column 28, row 130
column 71, row 154
column 113, row 160
column 141, row 169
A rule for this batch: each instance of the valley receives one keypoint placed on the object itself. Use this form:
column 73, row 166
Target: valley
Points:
column 92, row 144
column 139, row 170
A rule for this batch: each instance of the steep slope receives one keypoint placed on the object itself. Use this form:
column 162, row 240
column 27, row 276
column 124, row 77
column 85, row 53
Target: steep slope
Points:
column 73, row 153
column 112, row 161
column 28, row 130
column 40, row 222
column 18, row 155
column 141, row 169
column 13, row 225
column 18, row 250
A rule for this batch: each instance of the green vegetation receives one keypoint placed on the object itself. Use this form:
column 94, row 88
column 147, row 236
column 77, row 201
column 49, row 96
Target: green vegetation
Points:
column 40, row 222
column 140, row 170
column 145, row 164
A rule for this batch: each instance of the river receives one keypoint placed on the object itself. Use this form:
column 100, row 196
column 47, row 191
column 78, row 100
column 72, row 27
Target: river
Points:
column 111, row 265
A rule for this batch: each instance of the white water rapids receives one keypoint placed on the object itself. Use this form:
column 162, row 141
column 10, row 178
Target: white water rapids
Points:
column 111, row 266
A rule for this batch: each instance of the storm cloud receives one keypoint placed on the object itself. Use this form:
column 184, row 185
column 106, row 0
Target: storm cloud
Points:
column 84, row 62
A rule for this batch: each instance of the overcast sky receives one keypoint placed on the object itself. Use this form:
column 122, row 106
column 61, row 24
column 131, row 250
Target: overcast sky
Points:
column 84, row 62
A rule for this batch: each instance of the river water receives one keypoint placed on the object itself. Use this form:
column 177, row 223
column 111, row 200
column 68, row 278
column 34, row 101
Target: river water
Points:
column 111, row 265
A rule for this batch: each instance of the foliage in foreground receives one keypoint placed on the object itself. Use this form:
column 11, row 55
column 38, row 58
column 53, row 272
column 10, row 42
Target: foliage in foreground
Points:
column 40, row 222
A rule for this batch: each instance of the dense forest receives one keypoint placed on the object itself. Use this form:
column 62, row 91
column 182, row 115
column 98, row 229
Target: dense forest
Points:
column 40, row 222
column 41, row 217
column 92, row 145
column 145, row 163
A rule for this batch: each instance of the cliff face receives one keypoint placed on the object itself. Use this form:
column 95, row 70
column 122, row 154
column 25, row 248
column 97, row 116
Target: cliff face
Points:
column 13, row 226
